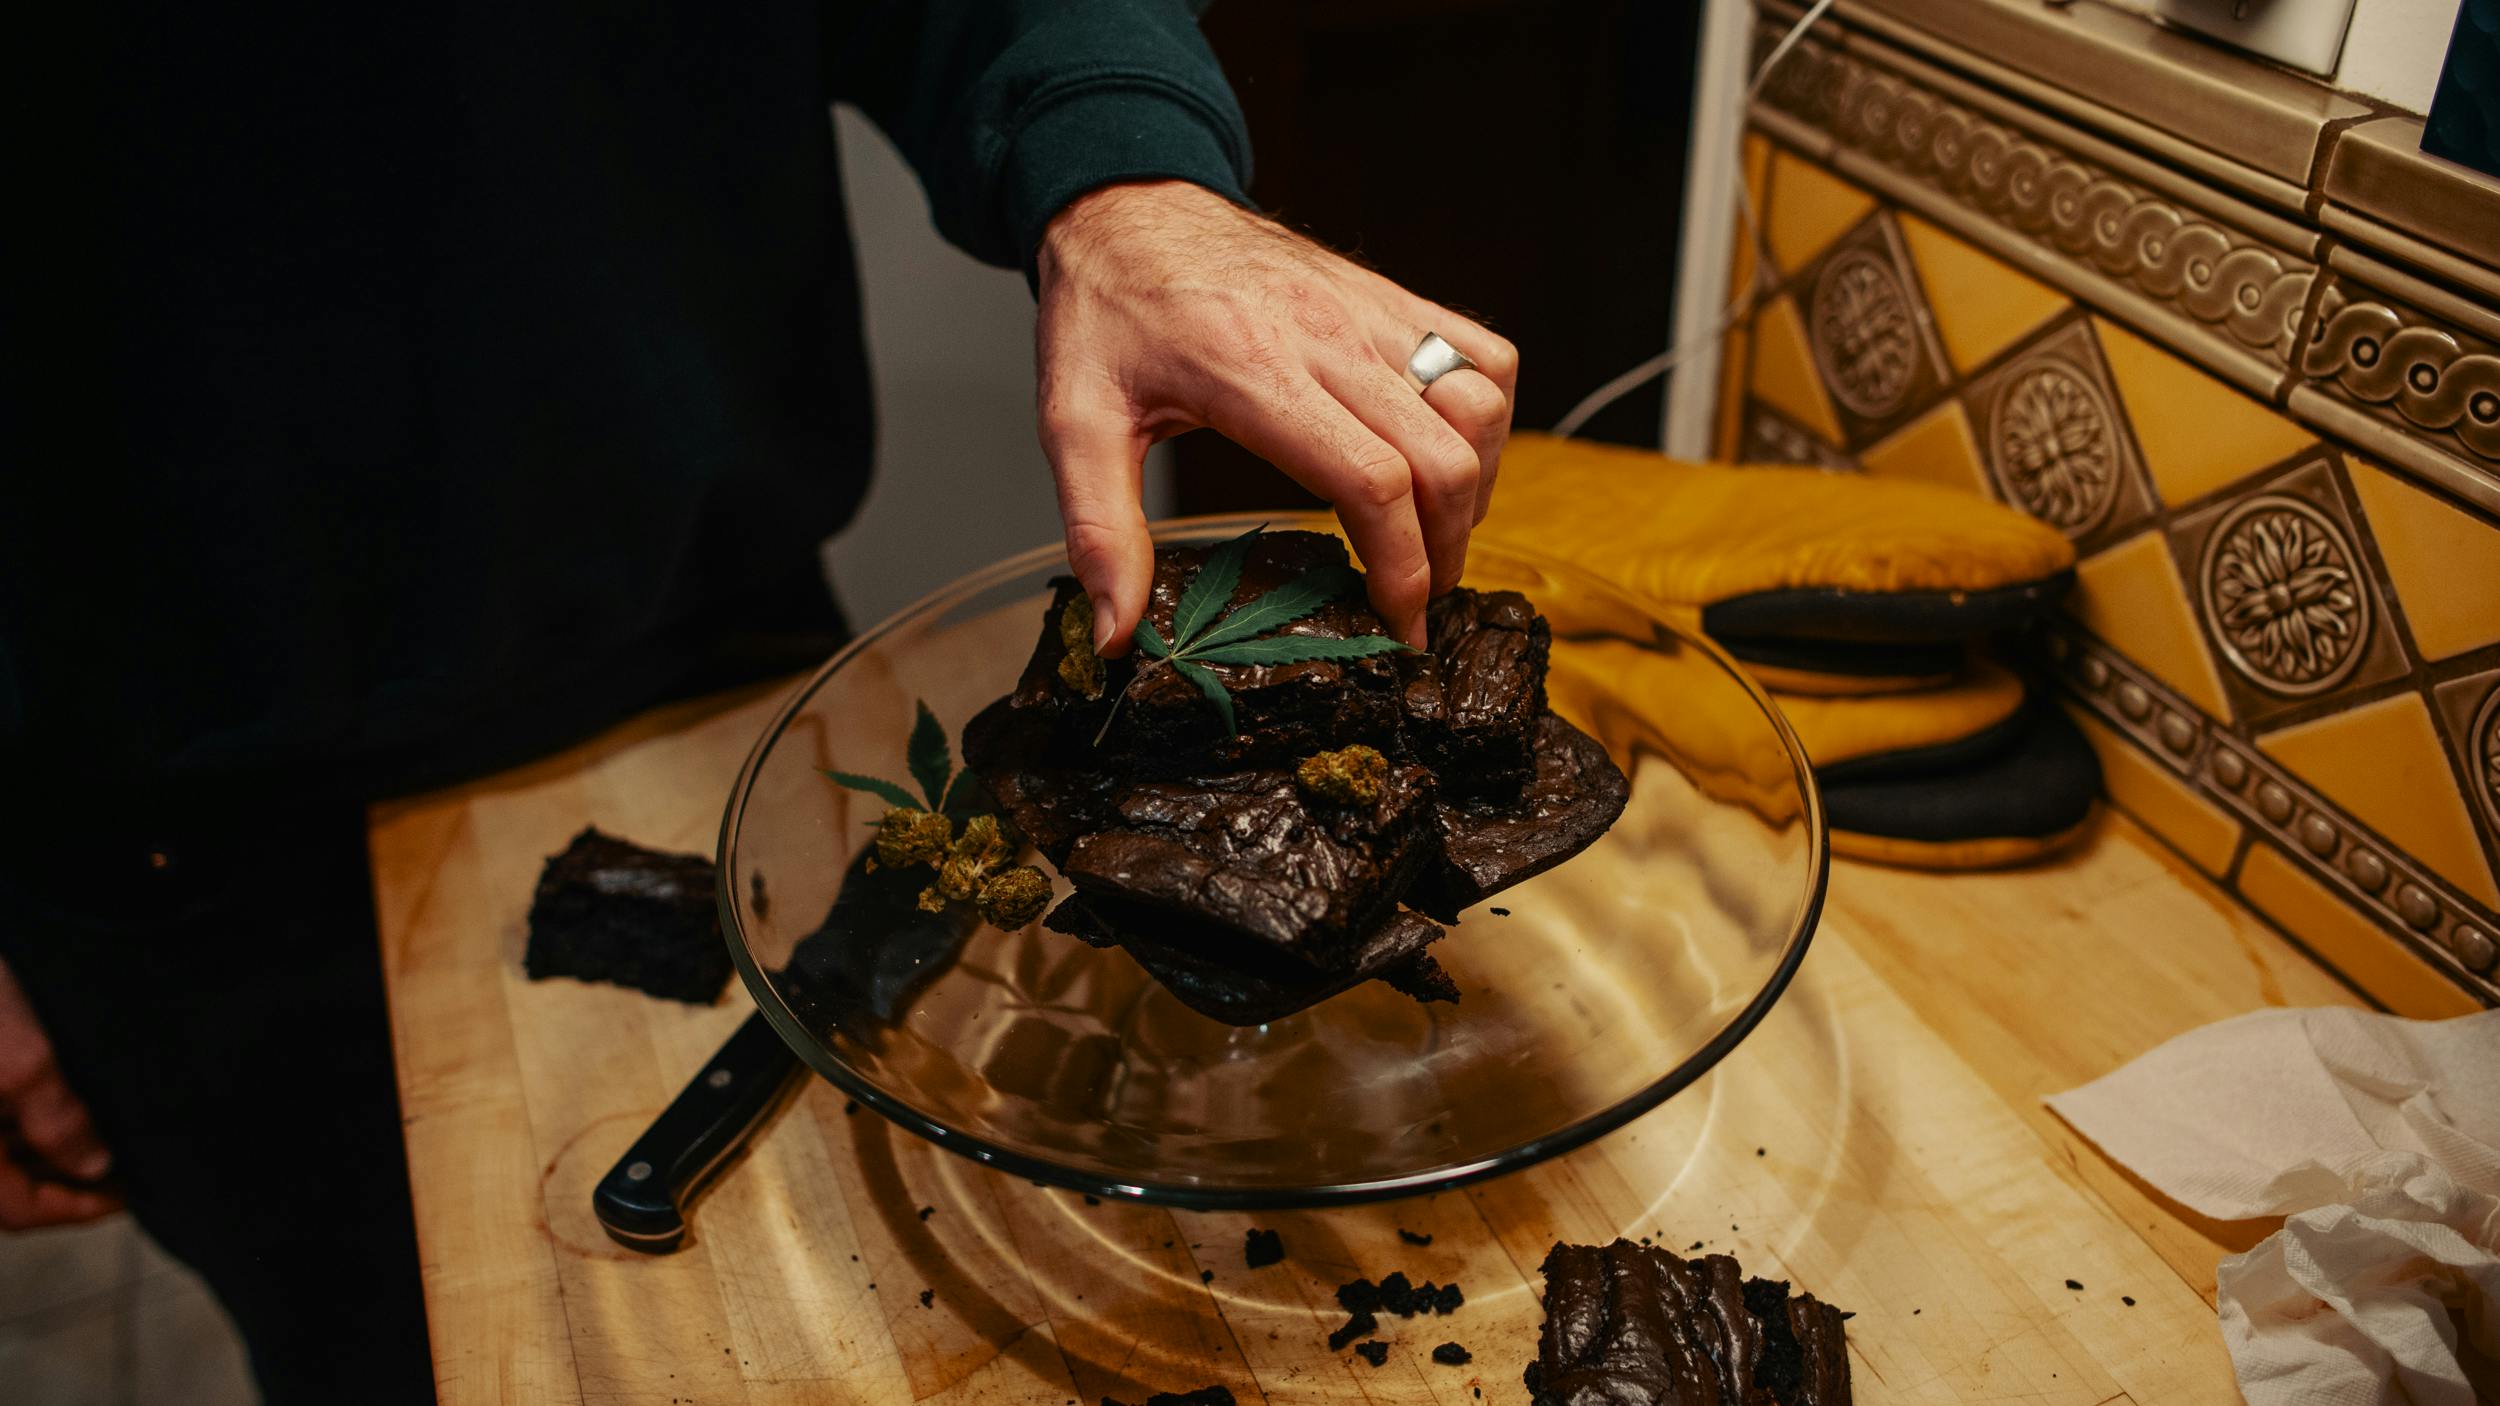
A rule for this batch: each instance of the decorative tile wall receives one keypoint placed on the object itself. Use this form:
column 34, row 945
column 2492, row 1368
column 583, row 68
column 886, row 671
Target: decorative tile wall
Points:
column 2278, row 458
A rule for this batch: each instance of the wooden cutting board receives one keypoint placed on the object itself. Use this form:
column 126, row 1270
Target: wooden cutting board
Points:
column 1879, row 1140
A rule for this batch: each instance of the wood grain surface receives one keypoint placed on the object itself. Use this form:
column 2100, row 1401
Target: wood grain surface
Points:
column 1880, row 1140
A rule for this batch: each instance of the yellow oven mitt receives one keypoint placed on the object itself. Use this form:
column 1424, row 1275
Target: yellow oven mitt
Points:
column 1971, row 775
column 1840, row 582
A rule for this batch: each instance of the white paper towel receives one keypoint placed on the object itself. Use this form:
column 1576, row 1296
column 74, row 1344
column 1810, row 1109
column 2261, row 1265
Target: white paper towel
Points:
column 2378, row 1139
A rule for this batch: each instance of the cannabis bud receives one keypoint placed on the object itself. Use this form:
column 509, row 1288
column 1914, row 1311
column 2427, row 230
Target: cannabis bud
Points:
column 1014, row 897
column 906, row 837
column 1080, row 668
column 978, row 850
column 1349, row 775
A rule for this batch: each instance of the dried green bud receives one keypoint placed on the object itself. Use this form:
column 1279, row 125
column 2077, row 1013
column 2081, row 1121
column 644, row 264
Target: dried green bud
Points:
column 978, row 850
column 1349, row 775
column 1080, row 668
column 932, row 901
column 1014, row 897
column 906, row 837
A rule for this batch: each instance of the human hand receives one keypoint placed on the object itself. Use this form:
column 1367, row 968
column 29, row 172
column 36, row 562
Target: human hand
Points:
column 1165, row 307
column 46, row 1140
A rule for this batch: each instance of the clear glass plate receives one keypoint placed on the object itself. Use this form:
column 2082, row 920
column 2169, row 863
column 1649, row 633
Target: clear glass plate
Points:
column 1590, row 993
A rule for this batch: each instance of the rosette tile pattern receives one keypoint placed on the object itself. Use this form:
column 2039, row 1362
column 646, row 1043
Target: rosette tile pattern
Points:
column 2248, row 423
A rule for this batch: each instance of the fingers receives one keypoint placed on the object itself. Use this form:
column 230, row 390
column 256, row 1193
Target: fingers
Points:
column 35, row 1102
column 27, row 1204
column 1097, row 457
column 1293, row 422
column 1443, row 466
column 54, row 1124
column 1474, row 407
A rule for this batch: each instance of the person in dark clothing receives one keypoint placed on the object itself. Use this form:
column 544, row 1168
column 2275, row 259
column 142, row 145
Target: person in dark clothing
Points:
column 467, row 378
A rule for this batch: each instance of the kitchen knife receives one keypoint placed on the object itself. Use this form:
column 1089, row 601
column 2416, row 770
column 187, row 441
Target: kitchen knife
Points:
column 873, row 953
column 642, row 1200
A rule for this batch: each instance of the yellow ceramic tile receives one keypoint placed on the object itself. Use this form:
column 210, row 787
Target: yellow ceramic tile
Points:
column 2204, row 832
column 1728, row 426
column 2382, row 761
column 2130, row 596
column 1938, row 447
column 2443, row 561
column 1783, row 371
column 2348, row 941
column 1982, row 306
column 2197, row 433
column 1809, row 208
column 1748, row 236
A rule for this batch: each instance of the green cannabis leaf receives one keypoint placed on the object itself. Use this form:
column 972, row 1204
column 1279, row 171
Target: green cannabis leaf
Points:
column 930, row 761
column 932, row 764
column 1201, row 636
column 887, row 791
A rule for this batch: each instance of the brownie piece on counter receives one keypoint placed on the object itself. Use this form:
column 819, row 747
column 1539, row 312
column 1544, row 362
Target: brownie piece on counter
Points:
column 1203, row 1396
column 607, row 910
column 1246, row 988
column 1626, row 1322
column 1472, row 702
column 1805, row 1344
column 1577, row 794
column 1254, row 860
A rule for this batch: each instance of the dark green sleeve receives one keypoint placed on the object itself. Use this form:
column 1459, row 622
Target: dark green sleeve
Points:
column 1009, row 109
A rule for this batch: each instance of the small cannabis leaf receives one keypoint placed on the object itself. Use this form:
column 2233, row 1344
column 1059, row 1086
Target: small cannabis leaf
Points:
column 932, row 764
column 1204, row 633
column 930, row 761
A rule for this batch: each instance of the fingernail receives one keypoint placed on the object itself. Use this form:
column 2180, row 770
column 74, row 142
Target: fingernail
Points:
column 93, row 1166
column 1102, row 622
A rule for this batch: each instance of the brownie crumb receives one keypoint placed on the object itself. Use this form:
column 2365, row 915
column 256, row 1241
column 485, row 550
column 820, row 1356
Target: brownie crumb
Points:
column 1760, row 1151
column 1411, row 1238
column 1093, row 1200
column 1498, row 913
column 2075, row 1285
column 1261, row 1248
column 927, row 1211
column 850, row 1106
column 759, row 900
column 2127, row 1299
column 1375, row 1352
column 1452, row 1355
column 1696, row 1245
column 1359, row 1323
column 928, row 1297
column 1206, row 1276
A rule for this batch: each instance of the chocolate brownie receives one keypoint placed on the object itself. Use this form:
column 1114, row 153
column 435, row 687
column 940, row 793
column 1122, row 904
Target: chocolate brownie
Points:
column 1282, row 711
column 1472, row 703
column 1244, row 988
column 1627, row 1322
column 607, row 910
column 1577, row 795
column 1252, row 857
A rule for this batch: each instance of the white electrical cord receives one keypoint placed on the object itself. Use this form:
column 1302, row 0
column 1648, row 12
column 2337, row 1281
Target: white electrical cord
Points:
column 1749, row 227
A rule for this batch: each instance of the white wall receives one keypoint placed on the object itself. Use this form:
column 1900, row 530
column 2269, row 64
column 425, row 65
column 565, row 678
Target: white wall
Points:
column 2393, row 50
column 960, row 480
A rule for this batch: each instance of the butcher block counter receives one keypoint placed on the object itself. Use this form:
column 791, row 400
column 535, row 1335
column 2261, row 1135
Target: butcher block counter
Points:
column 1879, row 1140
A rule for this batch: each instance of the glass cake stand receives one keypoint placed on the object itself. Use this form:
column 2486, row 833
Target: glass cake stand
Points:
column 1590, row 994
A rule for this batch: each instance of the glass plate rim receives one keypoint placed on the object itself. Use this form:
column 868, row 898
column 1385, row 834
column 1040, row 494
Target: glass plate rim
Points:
column 818, row 1057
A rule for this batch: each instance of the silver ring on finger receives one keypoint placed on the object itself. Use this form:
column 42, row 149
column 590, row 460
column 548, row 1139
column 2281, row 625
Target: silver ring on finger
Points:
column 1433, row 359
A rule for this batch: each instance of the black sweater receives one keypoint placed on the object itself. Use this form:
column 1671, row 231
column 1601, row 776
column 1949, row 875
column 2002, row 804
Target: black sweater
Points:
column 448, row 377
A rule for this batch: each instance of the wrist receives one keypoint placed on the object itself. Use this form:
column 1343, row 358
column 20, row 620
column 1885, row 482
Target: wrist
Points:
column 1119, row 212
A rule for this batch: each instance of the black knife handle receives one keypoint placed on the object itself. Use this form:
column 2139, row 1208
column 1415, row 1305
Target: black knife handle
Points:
column 642, row 1200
